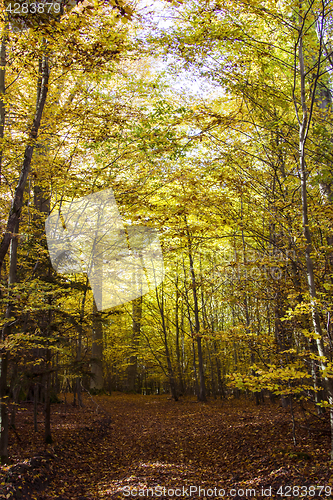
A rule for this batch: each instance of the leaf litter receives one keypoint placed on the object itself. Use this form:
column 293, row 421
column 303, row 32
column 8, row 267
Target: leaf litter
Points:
column 122, row 443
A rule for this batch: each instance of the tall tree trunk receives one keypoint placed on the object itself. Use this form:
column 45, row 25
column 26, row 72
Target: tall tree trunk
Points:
column 196, row 383
column 2, row 89
column 47, row 403
column 15, row 211
column 79, row 346
column 97, row 379
column 3, row 408
column 132, row 369
column 246, row 308
column 202, row 387
column 171, row 376
column 218, row 371
column 42, row 210
column 4, row 360
column 4, row 355
column 178, row 352
column 303, row 131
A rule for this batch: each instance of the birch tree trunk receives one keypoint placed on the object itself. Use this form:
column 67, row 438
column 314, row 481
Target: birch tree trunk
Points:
column 304, row 122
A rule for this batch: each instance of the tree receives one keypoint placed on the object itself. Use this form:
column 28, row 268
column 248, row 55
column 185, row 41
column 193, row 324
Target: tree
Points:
column 49, row 57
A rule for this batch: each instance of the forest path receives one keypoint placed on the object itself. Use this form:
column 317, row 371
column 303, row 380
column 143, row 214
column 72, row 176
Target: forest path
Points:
column 142, row 442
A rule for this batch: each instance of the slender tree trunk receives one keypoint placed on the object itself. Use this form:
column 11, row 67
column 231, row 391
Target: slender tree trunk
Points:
column 202, row 387
column 79, row 346
column 36, row 390
column 218, row 370
column 15, row 399
column 196, row 383
column 97, row 379
column 47, row 403
column 323, row 99
column 2, row 90
column 15, row 211
column 178, row 352
column 246, row 308
column 212, row 372
column 303, row 129
column 171, row 376
column 4, row 408
column 132, row 369
column 4, row 400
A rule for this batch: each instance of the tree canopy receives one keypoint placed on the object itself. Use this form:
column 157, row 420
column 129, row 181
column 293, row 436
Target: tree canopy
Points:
column 211, row 121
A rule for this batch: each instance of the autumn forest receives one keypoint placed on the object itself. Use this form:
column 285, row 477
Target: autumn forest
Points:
column 204, row 357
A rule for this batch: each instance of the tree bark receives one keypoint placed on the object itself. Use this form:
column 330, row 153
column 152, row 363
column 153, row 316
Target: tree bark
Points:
column 202, row 386
column 15, row 211
column 303, row 129
column 2, row 90
column 246, row 309
column 178, row 352
column 47, row 403
column 79, row 346
column 3, row 408
column 172, row 382
column 133, row 361
column 4, row 399
column 97, row 379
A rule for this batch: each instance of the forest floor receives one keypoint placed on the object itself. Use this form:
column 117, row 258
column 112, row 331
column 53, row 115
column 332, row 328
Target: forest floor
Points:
column 132, row 446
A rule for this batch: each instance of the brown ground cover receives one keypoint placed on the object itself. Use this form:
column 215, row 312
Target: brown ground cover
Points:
column 131, row 446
